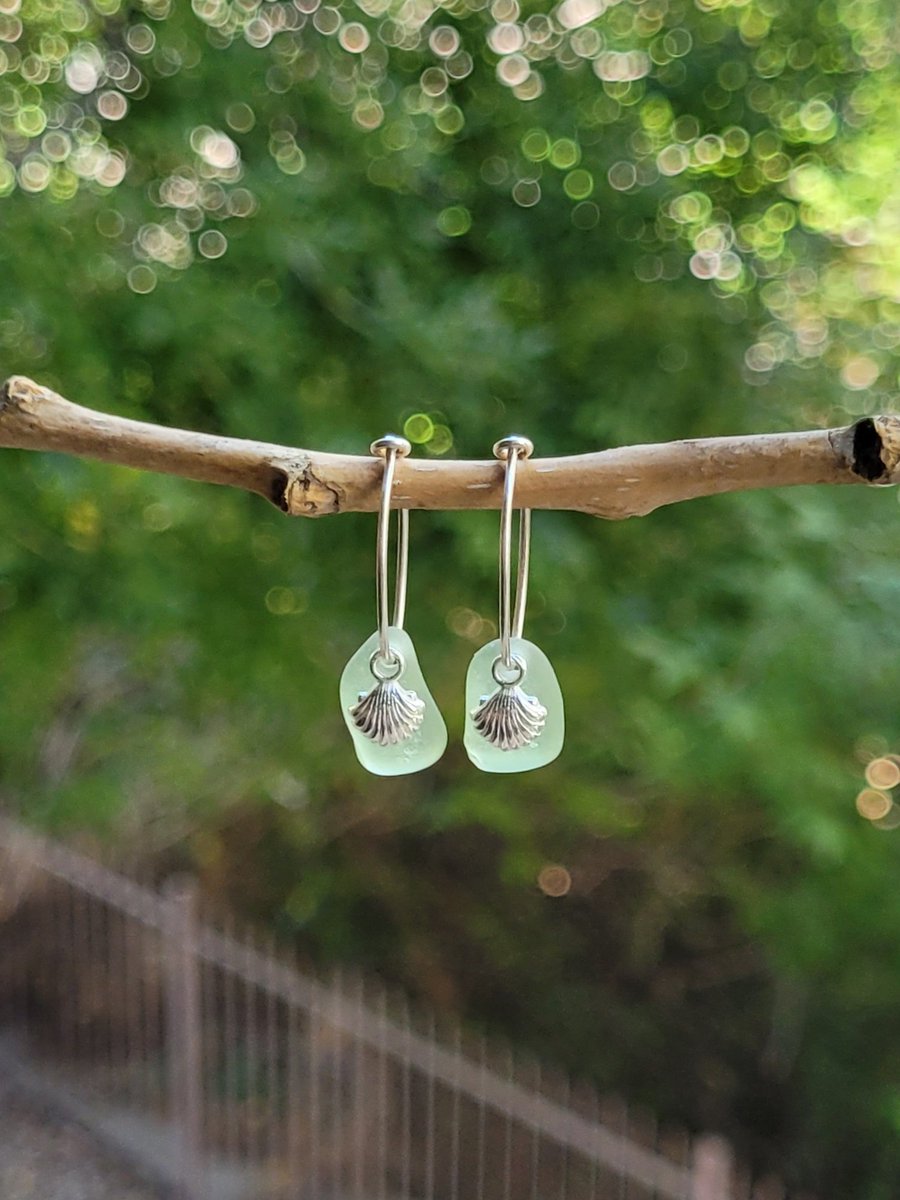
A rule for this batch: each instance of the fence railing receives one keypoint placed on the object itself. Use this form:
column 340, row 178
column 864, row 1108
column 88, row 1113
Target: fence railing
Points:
column 250, row 1078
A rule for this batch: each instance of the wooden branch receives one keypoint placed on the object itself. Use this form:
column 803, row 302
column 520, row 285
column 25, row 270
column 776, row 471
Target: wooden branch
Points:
column 626, row 482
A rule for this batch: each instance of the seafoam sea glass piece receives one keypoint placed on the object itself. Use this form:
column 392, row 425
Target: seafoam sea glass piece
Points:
column 518, row 723
column 395, row 724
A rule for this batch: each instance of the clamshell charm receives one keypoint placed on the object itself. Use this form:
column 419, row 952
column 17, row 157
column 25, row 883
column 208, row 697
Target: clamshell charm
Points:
column 389, row 713
column 509, row 718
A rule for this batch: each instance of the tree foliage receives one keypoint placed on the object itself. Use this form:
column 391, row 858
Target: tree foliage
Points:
column 601, row 223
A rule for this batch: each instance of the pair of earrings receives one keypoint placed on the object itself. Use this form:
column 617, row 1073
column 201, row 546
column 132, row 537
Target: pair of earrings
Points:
column 392, row 717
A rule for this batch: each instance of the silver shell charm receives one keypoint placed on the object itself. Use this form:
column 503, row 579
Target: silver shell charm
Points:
column 509, row 718
column 389, row 713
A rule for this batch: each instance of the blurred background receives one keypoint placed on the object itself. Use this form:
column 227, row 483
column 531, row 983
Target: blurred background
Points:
column 599, row 223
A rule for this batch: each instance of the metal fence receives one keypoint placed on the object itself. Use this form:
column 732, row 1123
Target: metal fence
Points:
column 231, row 1073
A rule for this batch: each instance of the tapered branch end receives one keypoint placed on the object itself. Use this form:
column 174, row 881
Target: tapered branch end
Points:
column 875, row 449
column 16, row 391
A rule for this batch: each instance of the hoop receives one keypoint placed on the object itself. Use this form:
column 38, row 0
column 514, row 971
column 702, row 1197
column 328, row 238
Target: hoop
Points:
column 509, row 451
column 390, row 448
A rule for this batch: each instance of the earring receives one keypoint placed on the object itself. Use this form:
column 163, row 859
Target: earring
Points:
column 509, row 728
column 392, row 717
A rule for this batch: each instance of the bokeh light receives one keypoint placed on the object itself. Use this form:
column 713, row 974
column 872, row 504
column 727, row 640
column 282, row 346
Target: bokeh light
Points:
column 875, row 802
column 419, row 428
column 883, row 773
column 872, row 804
column 554, row 880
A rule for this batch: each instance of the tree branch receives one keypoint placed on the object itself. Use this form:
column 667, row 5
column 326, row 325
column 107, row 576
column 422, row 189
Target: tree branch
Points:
column 626, row 482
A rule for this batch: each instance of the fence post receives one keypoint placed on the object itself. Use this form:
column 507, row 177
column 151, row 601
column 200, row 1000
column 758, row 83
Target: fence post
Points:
column 712, row 1170
column 183, row 1033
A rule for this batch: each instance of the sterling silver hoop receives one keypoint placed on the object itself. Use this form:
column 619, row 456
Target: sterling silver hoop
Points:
column 390, row 448
column 510, row 450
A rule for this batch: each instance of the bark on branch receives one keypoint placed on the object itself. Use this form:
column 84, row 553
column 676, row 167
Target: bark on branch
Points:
column 626, row 482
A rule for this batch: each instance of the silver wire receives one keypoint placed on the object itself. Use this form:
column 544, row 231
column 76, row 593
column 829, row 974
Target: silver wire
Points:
column 512, row 620
column 390, row 448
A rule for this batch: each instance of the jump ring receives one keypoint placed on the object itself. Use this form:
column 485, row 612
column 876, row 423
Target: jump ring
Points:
column 378, row 662
column 517, row 666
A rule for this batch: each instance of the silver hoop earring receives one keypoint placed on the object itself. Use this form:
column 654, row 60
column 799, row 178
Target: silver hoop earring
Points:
column 392, row 717
column 509, row 728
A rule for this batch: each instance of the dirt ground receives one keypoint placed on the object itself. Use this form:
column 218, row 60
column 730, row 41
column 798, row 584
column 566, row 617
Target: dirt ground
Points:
column 45, row 1158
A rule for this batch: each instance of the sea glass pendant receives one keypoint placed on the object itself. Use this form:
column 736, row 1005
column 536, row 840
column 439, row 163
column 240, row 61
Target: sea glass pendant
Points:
column 392, row 717
column 515, row 719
